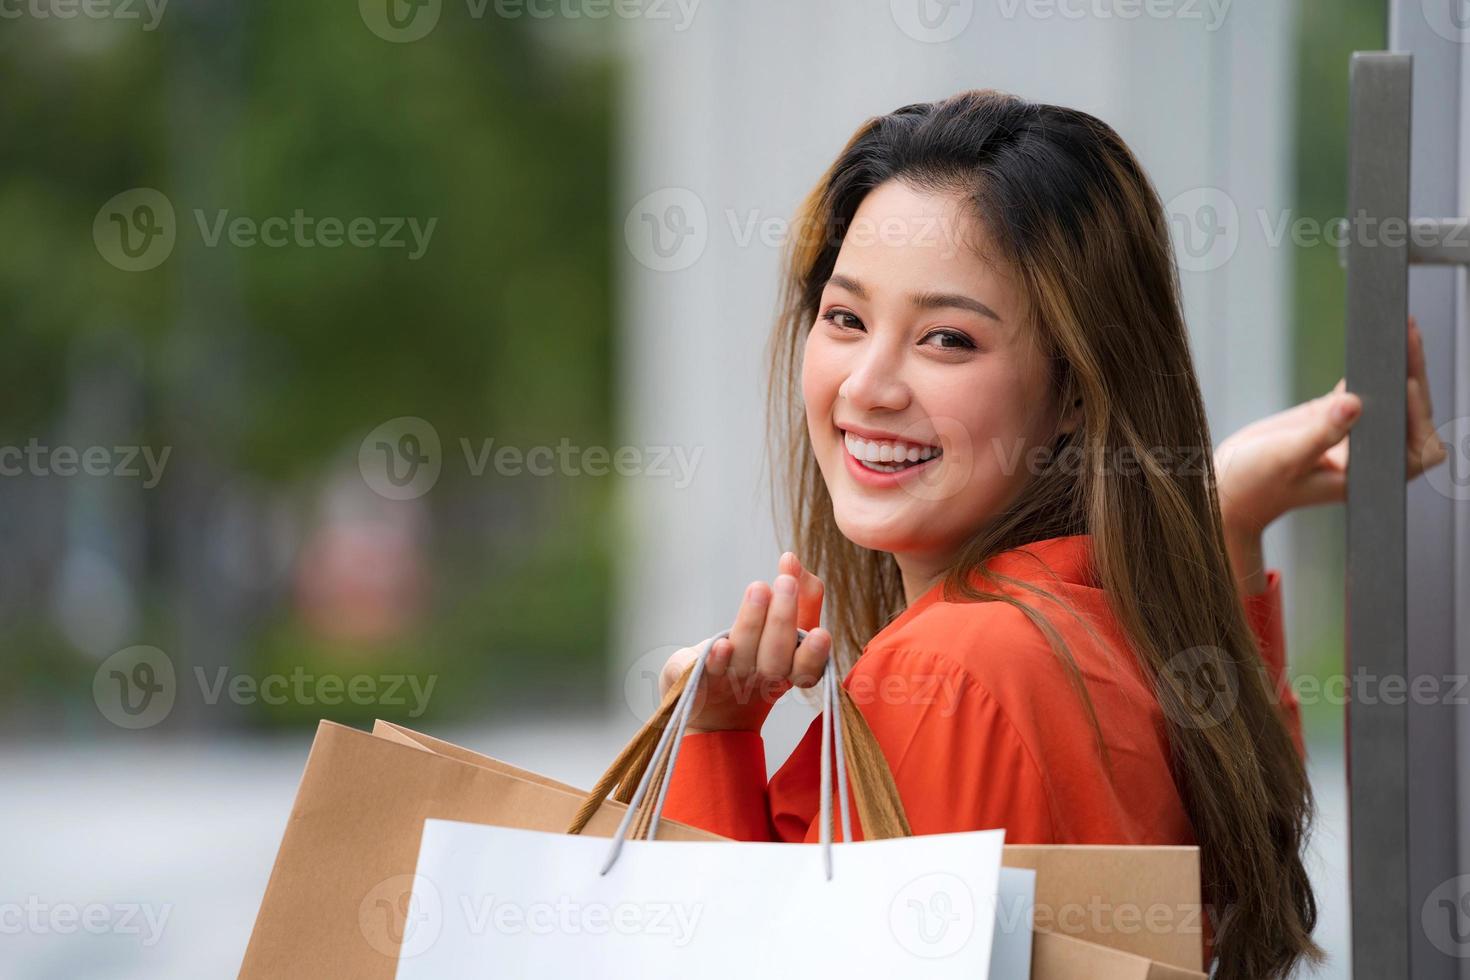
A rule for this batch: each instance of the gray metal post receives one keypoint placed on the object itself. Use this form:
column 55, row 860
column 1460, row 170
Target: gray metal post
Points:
column 1382, row 243
column 1377, row 311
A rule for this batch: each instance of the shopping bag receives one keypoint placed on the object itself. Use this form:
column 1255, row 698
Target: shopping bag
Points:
column 1142, row 901
column 336, row 900
column 1087, row 895
column 501, row 902
column 492, row 902
column 333, row 904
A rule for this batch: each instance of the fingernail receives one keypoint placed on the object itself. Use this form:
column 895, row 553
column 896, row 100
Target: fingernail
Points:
column 755, row 594
column 1344, row 411
column 785, row 585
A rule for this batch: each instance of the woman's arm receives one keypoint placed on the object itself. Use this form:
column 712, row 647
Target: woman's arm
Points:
column 719, row 785
column 936, row 727
column 1298, row 458
column 1263, row 613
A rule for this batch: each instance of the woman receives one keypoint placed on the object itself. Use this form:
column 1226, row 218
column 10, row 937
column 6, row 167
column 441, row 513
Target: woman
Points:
column 1000, row 470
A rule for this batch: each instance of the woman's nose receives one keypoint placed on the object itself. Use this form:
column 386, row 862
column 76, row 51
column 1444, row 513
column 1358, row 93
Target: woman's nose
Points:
column 875, row 384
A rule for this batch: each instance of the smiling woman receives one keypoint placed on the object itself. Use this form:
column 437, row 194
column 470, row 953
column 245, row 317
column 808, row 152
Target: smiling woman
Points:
column 900, row 367
column 929, row 395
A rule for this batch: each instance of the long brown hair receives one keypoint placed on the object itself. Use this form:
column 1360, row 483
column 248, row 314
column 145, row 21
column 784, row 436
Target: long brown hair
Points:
column 1075, row 218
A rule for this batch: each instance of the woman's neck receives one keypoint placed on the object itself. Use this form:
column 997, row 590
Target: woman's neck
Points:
column 920, row 573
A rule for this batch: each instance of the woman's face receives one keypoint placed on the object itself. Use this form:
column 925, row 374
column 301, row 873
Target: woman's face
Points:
column 918, row 353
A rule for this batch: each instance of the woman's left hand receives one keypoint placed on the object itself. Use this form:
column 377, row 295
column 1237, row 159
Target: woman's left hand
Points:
column 1299, row 457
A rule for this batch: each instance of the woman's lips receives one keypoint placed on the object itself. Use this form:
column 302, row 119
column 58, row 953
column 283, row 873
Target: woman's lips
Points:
column 874, row 478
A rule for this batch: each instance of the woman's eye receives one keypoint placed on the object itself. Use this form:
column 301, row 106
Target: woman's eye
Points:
column 953, row 340
column 842, row 319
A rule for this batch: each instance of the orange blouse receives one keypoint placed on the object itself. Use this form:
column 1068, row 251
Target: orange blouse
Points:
column 980, row 723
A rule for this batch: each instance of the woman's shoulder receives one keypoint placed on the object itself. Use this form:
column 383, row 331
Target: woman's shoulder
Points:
column 998, row 650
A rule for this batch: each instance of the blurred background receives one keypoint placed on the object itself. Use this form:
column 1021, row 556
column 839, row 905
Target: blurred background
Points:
column 403, row 360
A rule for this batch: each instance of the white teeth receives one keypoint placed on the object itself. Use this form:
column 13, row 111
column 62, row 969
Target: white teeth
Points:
column 895, row 454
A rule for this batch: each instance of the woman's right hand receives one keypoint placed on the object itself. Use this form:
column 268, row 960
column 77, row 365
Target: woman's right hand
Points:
column 748, row 671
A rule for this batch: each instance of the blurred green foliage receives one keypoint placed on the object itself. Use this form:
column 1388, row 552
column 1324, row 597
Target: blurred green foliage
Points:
column 264, row 367
column 1329, row 32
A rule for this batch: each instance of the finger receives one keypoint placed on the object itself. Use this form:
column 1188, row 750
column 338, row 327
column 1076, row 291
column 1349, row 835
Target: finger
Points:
column 1414, row 437
column 674, row 668
column 746, row 633
column 718, row 660
column 809, row 594
column 809, row 591
column 1301, row 419
column 1417, row 368
column 811, row 658
column 1323, row 486
column 1425, row 448
column 778, row 638
column 1326, row 423
column 1336, row 458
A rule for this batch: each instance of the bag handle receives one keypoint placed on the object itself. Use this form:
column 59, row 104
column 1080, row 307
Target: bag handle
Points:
column 629, row 778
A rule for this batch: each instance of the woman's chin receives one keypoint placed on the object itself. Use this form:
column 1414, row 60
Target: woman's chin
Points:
column 872, row 534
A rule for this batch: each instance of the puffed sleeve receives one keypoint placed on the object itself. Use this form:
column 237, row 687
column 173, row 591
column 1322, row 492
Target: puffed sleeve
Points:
column 1263, row 612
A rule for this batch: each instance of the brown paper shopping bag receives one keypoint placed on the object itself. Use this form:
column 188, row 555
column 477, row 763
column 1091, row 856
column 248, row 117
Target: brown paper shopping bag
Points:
column 334, row 905
column 1097, row 894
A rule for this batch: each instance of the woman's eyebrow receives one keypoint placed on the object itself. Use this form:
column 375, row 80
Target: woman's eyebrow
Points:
column 924, row 301
column 935, row 301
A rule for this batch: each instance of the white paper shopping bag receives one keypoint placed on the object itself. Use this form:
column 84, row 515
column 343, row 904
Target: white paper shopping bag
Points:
column 493, row 902
column 501, row 902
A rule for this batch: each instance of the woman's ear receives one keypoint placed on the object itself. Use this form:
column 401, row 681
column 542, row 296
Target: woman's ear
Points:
column 1071, row 417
